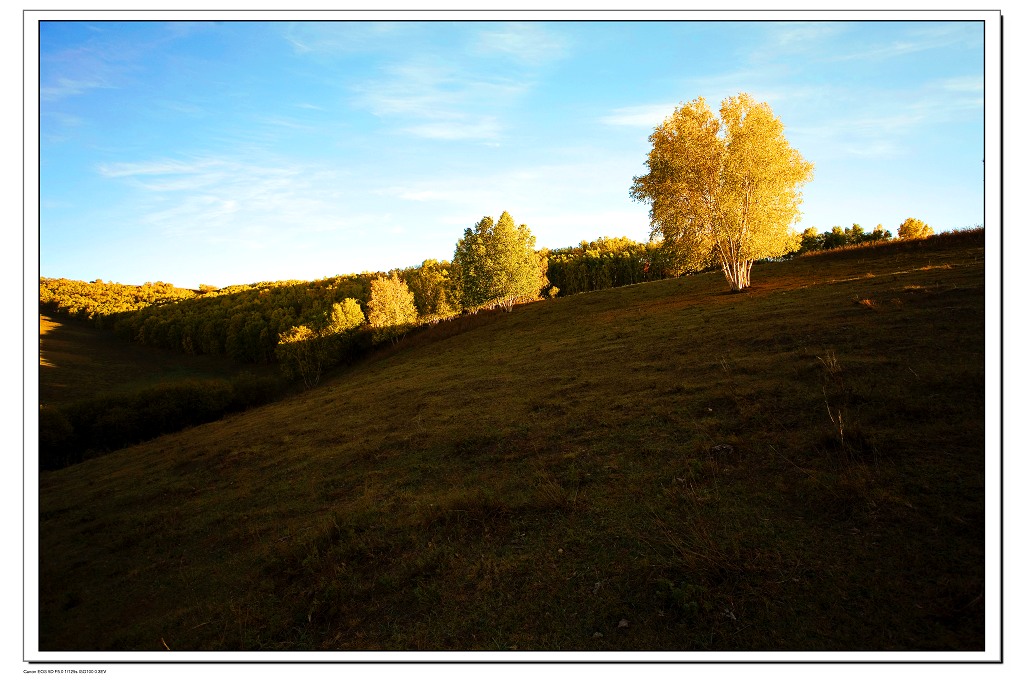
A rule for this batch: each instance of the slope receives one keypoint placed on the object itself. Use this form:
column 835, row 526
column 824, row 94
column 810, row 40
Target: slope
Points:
column 658, row 467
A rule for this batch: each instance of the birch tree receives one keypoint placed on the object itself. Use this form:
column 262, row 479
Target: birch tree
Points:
column 912, row 228
column 307, row 350
column 723, row 189
column 498, row 264
column 391, row 310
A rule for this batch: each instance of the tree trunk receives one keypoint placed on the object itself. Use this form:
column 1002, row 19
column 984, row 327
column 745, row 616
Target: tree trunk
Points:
column 737, row 273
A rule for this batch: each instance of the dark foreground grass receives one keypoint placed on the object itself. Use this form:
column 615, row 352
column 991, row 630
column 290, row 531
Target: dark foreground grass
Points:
column 658, row 467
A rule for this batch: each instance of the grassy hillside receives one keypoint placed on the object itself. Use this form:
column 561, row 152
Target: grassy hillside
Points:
column 665, row 466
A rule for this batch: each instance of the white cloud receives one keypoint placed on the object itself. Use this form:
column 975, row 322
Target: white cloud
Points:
column 441, row 100
column 963, row 84
column 160, row 167
column 644, row 115
column 942, row 35
column 63, row 86
column 230, row 195
column 804, row 36
column 75, row 71
column 422, row 195
column 528, row 43
column 432, row 88
column 458, row 128
column 336, row 38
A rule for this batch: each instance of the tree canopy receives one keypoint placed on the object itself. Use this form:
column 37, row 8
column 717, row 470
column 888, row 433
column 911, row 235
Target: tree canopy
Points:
column 724, row 189
column 839, row 237
column 498, row 265
column 391, row 310
column 912, row 228
column 431, row 287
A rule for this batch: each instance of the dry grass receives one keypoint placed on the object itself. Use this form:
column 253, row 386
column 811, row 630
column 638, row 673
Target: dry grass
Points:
column 666, row 454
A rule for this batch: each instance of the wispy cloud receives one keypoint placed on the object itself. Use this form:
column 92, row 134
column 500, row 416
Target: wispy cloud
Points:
column 439, row 100
column 458, row 127
column 61, row 87
column 195, row 196
column 179, row 107
column 530, row 43
column 886, row 124
column 963, row 84
column 939, row 36
column 804, row 36
column 333, row 38
column 433, row 88
column 78, row 70
column 783, row 41
column 643, row 116
column 714, row 89
column 527, row 191
column 455, row 94
column 286, row 122
column 160, row 167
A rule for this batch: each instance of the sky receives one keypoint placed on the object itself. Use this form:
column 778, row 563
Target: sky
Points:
column 232, row 152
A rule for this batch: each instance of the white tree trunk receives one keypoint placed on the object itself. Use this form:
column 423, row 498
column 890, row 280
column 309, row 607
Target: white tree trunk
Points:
column 737, row 273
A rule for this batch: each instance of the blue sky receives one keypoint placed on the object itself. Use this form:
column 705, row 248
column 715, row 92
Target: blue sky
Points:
column 236, row 152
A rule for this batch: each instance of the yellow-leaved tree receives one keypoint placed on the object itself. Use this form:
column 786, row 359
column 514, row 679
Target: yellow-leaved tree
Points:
column 497, row 264
column 912, row 228
column 307, row 350
column 391, row 310
column 724, row 189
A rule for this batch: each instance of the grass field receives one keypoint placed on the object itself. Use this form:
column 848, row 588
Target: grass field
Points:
column 664, row 467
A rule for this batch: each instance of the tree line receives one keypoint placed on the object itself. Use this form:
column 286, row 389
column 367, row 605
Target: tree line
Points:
column 308, row 326
column 608, row 262
column 839, row 237
column 98, row 299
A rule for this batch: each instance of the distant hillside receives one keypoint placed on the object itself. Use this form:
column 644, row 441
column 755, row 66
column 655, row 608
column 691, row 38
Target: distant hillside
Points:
column 664, row 466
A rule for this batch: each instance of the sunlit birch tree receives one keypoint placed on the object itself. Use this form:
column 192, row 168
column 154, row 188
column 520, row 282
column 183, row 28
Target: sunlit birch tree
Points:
column 724, row 189
column 912, row 228
column 497, row 264
column 391, row 310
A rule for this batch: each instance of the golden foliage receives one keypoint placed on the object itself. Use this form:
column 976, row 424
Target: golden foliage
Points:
column 912, row 228
column 724, row 189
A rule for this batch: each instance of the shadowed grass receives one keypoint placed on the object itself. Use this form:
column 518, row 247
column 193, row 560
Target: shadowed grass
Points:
column 656, row 467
